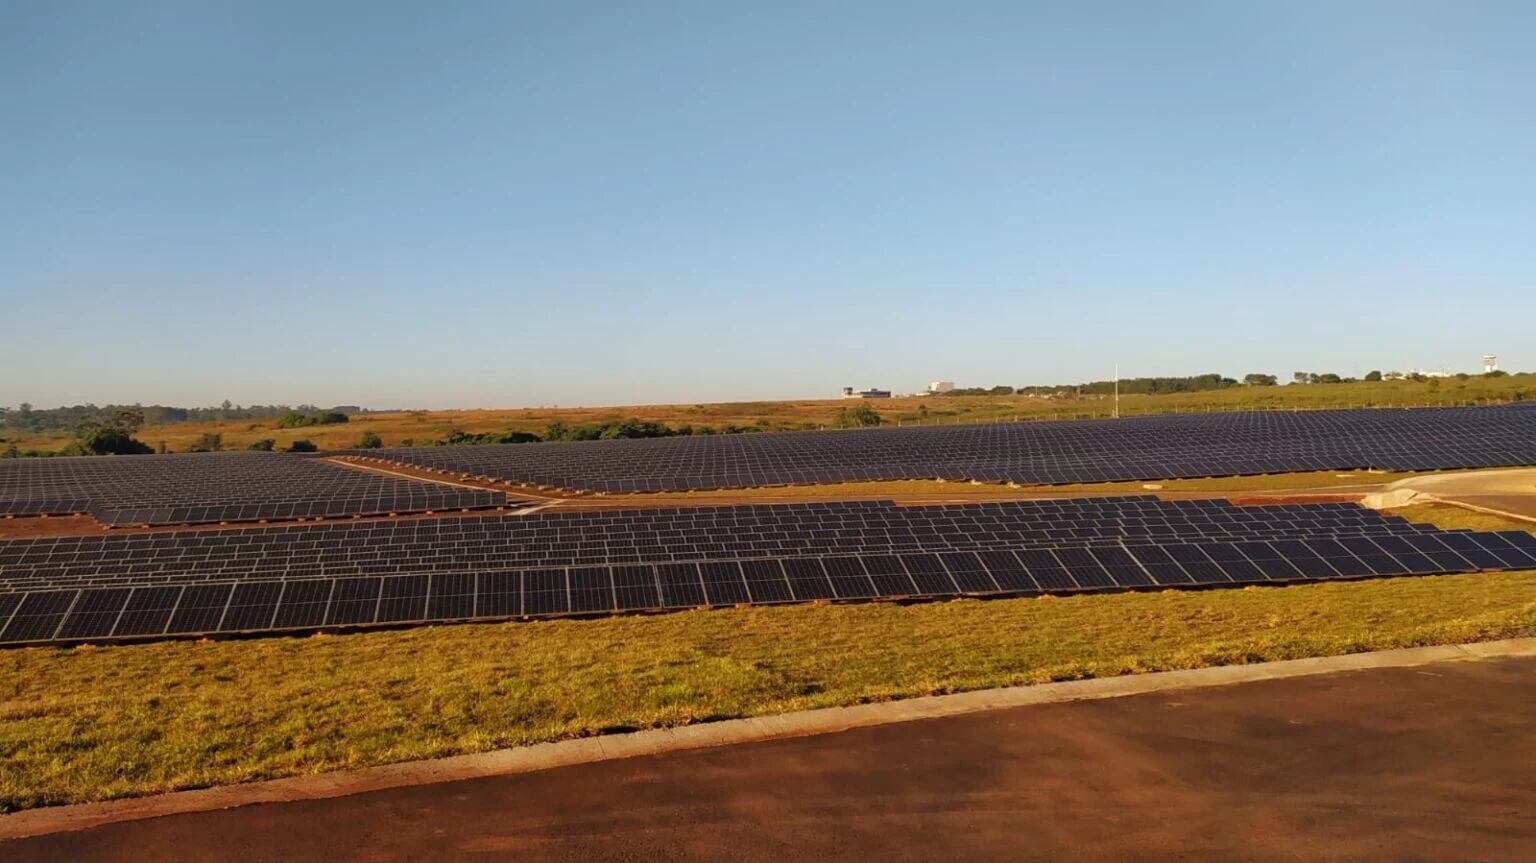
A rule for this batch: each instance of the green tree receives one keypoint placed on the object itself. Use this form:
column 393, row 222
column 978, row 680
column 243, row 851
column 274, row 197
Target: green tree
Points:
column 1373, row 375
column 101, row 440
column 862, row 416
column 369, row 440
column 302, row 445
column 1256, row 379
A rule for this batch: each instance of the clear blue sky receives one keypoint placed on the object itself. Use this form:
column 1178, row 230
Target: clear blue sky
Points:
column 501, row 204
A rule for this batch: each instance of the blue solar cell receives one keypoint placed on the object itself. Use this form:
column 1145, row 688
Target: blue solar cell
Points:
column 888, row 576
column 94, row 614
column 200, row 609
column 591, row 590
column 929, row 575
column 500, row 594
column 808, row 579
column 681, row 585
column 766, row 581
column 968, row 572
column 303, row 604
column 634, row 587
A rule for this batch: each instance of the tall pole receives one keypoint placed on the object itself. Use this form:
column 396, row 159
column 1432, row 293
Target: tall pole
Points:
column 1117, row 390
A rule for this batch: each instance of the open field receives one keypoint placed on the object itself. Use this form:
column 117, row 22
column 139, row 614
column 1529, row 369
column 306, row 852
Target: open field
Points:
column 423, row 426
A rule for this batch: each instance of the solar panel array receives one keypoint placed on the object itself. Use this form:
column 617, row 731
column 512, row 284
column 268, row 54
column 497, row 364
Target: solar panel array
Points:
column 1141, row 448
column 550, row 564
column 216, row 487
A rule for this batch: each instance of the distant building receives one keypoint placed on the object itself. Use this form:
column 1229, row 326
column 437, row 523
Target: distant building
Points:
column 941, row 387
column 851, row 393
column 1490, row 364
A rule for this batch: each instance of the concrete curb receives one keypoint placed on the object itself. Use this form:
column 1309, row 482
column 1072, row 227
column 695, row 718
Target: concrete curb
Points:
column 544, row 756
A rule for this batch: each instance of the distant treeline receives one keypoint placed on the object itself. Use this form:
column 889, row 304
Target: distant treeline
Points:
column 26, row 419
column 1144, row 386
column 620, row 429
column 1193, row 384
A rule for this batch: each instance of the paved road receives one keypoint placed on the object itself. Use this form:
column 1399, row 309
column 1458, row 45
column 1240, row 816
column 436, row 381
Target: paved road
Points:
column 1507, row 490
column 1432, row 763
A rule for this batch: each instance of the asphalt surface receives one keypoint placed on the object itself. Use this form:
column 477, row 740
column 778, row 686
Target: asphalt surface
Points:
column 1433, row 763
column 1509, row 490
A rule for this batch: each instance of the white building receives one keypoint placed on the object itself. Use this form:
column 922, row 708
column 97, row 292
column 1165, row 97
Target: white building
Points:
column 941, row 387
column 851, row 393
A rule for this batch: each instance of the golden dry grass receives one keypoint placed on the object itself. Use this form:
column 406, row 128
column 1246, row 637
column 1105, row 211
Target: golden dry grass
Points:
column 1312, row 482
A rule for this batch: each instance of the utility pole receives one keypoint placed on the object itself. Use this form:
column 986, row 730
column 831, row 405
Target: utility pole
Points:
column 1117, row 390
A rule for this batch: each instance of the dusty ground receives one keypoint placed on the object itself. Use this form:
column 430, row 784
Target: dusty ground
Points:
column 1338, row 767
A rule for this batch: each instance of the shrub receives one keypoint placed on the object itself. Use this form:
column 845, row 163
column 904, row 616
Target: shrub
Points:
column 103, row 440
column 263, row 445
column 302, row 445
column 294, row 419
column 862, row 416
column 209, row 442
column 369, row 440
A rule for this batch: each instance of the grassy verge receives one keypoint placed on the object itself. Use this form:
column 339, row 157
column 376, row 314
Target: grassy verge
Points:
column 90, row 724
column 1312, row 481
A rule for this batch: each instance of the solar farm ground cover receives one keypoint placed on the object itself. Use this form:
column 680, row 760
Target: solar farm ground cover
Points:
column 139, row 586
column 216, row 487
column 91, row 723
column 1132, row 449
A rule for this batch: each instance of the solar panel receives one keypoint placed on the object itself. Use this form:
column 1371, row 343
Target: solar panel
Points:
column 889, row 576
column 354, row 601
column 1139, row 448
column 452, row 596
column 766, row 581
column 213, row 487
column 724, row 583
column 680, row 584
column 500, row 594
column 95, row 614
column 200, row 608
column 549, row 564
column 808, row 579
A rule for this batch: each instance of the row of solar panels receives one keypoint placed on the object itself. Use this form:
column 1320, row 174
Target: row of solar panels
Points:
column 1143, row 448
column 269, row 606
column 218, row 487
column 785, row 531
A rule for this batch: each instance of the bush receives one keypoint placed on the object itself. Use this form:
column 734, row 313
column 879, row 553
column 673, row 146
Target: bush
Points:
column 263, row 445
column 109, row 441
column 294, row 419
column 862, row 416
column 302, row 445
column 209, row 442
column 369, row 440
column 1373, row 375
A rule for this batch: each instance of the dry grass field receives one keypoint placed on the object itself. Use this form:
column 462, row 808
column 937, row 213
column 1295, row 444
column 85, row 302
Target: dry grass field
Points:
column 423, row 426
column 94, row 723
